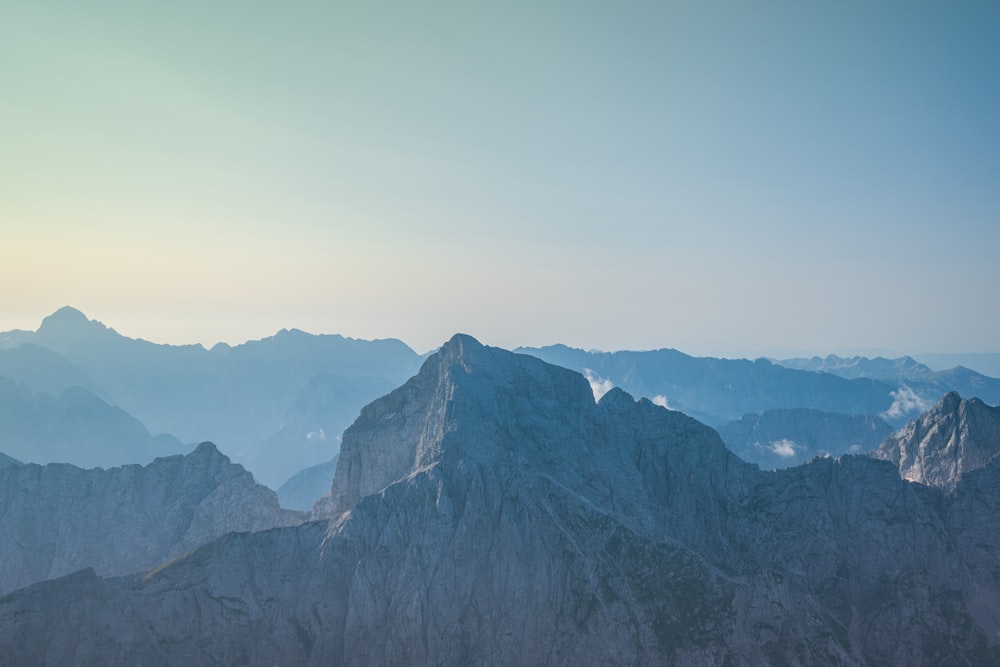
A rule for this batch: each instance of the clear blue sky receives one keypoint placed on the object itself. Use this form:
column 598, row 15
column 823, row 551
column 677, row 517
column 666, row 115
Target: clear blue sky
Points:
column 723, row 178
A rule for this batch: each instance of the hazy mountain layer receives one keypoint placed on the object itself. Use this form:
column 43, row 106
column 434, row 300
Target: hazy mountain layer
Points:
column 305, row 487
column 259, row 401
column 953, row 438
column 490, row 512
column 717, row 391
column 58, row 518
column 74, row 427
column 784, row 438
column 918, row 384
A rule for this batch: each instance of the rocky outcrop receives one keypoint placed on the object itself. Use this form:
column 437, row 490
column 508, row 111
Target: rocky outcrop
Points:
column 949, row 440
column 489, row 511
column 58, row 518
column 785, row 438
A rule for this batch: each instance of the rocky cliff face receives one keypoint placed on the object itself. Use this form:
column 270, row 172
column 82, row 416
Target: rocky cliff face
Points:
column 951, row 439
column 490, row 512
column 785, row 438
column 58, row 518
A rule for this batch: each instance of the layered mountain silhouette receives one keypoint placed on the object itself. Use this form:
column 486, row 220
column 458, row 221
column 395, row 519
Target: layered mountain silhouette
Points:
column 784, row 438
column 259, row 401
column 489, row 511
column 717, row 391
column 57, row 519
column 923, row 386
column 307, row 486
column 953, row 438
column 74, row 426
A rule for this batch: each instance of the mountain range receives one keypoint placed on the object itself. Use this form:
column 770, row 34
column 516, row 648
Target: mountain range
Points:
column 489, row 510
column 58, row 518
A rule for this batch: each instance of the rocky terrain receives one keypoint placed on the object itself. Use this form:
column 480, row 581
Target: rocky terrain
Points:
column 951, row 439
column 489, row 511
column 785, row 438
column 58, row 518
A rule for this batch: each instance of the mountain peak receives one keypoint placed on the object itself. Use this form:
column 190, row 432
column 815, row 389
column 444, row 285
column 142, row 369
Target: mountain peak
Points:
column 949, row 440
column 68, row 319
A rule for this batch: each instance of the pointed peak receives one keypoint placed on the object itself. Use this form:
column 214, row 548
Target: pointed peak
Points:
column 459, row 347
column 68, row 319
column 950, row 401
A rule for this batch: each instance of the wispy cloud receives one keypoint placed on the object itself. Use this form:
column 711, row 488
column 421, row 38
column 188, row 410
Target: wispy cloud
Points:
column 905, row 401
column 661, row 400
column 784, row 448
column 600, row 386
column 316, row 435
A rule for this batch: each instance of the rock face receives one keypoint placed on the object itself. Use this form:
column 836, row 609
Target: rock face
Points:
column 953, row 438
column 785, row 438
column 58, row 518
column 490, row 512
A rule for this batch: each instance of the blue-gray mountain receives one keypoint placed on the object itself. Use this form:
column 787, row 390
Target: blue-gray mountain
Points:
column 56, row 519
column 717, row 391
column 785, row 438
column 307, row 486
column 490, row 512
column 259, row 401
column 926, row 385
column 74, row 426
column 954, row 437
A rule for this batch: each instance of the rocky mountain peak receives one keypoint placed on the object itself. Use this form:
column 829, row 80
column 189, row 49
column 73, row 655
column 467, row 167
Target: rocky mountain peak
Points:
column 952, row 438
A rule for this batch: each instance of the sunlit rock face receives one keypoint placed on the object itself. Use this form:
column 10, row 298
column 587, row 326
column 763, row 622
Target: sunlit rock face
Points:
column 952, row 438
column 489, row 511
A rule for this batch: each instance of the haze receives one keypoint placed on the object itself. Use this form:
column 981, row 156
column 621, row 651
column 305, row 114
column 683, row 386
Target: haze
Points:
column 721, row 178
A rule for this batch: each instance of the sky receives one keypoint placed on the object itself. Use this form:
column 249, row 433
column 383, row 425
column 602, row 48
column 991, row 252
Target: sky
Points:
column 724, row 178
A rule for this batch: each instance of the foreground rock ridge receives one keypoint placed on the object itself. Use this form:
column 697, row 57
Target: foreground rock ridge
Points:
column 58, row 518
column 490, row 512
column 952, row 438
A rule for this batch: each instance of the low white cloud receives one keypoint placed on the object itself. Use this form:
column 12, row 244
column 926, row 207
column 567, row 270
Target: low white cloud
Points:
column 598, row 385
column 905, row 401
column 784, row 448
column 316, row 435
column 854, row 449
column 661, row 400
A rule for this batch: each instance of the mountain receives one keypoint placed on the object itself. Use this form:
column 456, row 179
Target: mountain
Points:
column 784, row 438
column 918, row 385
column 951, row 439
column 6, row 461
column 489, row 511
column 987, row 363
column 305, row 487
column 75, row 427
column 258, row 401
column 58, row 518
column 312, row 426
column 717, row 391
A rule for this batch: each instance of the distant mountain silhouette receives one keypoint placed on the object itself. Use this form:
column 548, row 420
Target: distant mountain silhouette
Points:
column 305, row 487
column 717, row 391
column 251, row 399
column 75, row 427
column 785, row 438
column 927, row 386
